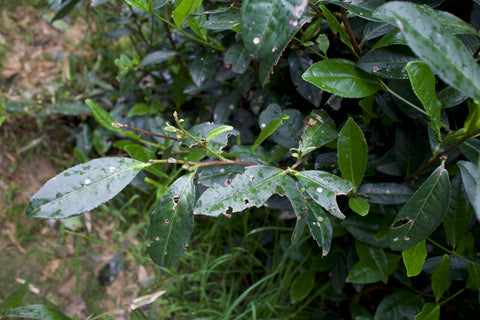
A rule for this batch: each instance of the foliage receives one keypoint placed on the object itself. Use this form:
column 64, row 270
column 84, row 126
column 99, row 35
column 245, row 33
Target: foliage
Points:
column 358, row 119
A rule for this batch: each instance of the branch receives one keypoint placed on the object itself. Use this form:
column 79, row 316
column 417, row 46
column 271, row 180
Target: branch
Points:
column 147, row 133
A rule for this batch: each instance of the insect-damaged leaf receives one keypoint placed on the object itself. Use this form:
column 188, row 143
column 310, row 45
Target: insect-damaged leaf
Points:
column 171, row 223
column 319, row 130
column 83, row 187
column 252, row 188
column 320, row 226
column 297, row 200
column 324, row 188
column 422, row 214
column 267, row 27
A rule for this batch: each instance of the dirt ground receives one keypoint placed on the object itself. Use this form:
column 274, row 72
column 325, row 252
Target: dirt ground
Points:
column 32, row 60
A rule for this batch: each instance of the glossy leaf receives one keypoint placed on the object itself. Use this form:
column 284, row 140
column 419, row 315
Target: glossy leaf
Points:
column 470, row 179
column 472, row 123
column 185, row 8
column 252, row 188
column 386, row 192
column 320, row 226
column 324, row 188
column 422, row 214
column 387, row 62
column 446, row 55
column 83, row 187
column 237, row 58
column 297, row 200
column 414, row 258
column 363, row 272
column 449, row 97
column 359, row 205
column 223, row 19
column 302, row 286
column 352, row 152
column 298, row 62
column 215, row 132
column 319, row 129
column 430, row 311
column 459, row 213
column 203, row 68
column 171, row 222
column 287, row 134
column 337, row 28
column 342, row 78
column 362, row 9
column 267, row 131
column 441, row 277
column 399, row 306
column 36, row 311
column 267, row 27
column 422, row 80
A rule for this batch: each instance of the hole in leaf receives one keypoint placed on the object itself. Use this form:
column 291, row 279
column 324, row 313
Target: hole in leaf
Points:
column 402, row 223
column 246, row 201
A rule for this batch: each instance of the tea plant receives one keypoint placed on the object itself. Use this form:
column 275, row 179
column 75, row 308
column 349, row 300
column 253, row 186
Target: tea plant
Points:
column 360, row 118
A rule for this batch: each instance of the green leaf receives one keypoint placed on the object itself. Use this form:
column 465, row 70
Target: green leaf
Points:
column 36, row 311
column 386, row 192
column 106, row 120
column 446, row 55
column 14, row 299
column 472, row 123
column 359, row 205
column 297, row 200
column 474, row 274
column 185, row 8
column 320, row 226
column 252, row 188
column 324, row 188
column 337, row 28
column 83, row 187
column 342, row 78
column 441, row 277
column 319, row 130
column 267, row 27
column 374, row 258
column 365, row 229
column 156, row 57
column 352, row 152
column 215, row 132
column 287, row 133
column 144, row 154
column 140, row 4
column 302, row 286
column 171, row 222
column 141, row 109
column 422, row 80
column 237, row 58
column 470, row 178
column 197, row 22
column 449, row 97
column 267, row 131
column 414, row 258
column 362, row 9
column 363, row 272
column 399, row 306
column 65, row 9
column 430, row 311
column 203, row 68
column 459, row 213
column 298, row 62
column 387, row 62
column 202, row 131
column 226, row 18
column 422, row 214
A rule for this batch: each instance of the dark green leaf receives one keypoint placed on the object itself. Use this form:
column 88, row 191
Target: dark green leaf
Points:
column 471, row 178
column 422, row 80
column 144, row 108
column 474, row 274
column 203, row 68
column 414, row 258
column 399, row 306
column 320, row 226
column 362, row 9
column 386, row 193
column 36, row 311
column 441, row 277
column 374, row 258
column 267, row 27
column 297, row 200
column 422, row 214
column 342, row 78
column 337, row 28
column 430, row 311
column 171, row 222
column 387, row 62
column 471, row 150
column 365, row 229
column 472, row 123
column 220, row 175
column 302, row 286
column 144, row 154
column 448, row 57
column 324, row 188
column 287, row 133
column 223, row 19
column 298, row 63
column 352, row 152
column 362, row 272
column 237, row 58
column 450, row 97
column 83, row 187
column 406, row 148
column 319, row 130
column 65, row 9
column 156, row 57
column 14, row 299
column 252, row 188
column 267, row 131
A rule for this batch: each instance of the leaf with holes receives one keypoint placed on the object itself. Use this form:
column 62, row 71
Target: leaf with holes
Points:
column 324, row 188
column 171, row 222
column 319, row 130
column 320, row 226
column 252, row 188
column 83, row 187
column 423, row 213
column 445, row 53
column 267, row 27
column 352, row 152
column 342, row 78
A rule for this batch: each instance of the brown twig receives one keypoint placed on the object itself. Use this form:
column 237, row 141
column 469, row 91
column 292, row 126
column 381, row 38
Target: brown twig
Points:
column 147, row 133
column 348, row 28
